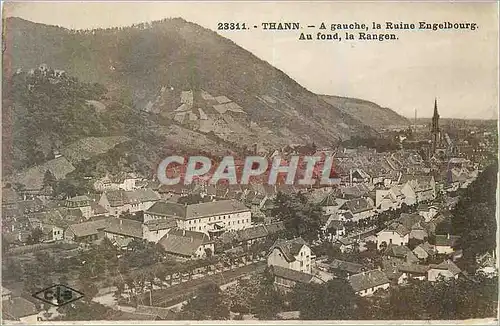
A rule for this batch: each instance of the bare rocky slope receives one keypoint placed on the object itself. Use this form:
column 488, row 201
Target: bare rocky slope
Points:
column 368, row 113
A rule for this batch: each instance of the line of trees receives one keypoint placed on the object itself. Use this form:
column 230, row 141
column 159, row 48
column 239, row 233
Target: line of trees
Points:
column 474, row 217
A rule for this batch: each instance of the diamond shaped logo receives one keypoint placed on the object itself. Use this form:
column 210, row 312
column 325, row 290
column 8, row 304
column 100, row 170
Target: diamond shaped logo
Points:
column 58, row 295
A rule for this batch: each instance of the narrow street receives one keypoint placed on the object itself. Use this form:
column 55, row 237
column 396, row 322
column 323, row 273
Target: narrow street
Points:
column 181, row 292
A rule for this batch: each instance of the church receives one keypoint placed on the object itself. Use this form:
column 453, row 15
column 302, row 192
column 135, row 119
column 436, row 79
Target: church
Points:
column 442, row 146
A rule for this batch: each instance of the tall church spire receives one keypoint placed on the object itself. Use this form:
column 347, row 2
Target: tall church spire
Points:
column 435, row 118
column 436, row 115
column 436, row 134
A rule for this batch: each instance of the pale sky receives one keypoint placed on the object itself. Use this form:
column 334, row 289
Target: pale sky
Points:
column 459, row 67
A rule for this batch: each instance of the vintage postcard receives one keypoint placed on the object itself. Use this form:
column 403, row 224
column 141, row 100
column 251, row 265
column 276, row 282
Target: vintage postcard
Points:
column 249, row 162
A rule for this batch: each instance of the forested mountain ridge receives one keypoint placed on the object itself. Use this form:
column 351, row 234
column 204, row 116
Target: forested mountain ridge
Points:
column 48, row 112
column 136, row 63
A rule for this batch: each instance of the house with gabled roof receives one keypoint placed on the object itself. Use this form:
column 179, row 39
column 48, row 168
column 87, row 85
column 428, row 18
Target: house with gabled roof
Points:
column 395, row 256
column 117, row 202
column 82, row 203
column 395, row 233
column 424, row 251
column 367, row 283
column 359, row 208
column 293, row 254
column 403, row 254
column 124, row 181
column 427, row 211
column 345, row 268
column 87, row 231
column 186, row 244
column 286, row 278
column 329, row 204
column 118, row 230
column 346, row 244
column 353, row 192
column 444, row 243
column 121, row 230
column 401, row 231
column 413, row 271
column 414, row 223
column 446, row 270
column 248, row 236
column 154, row 230
column 410, row 196
column 333, row 228
column 424, row 186
column 53, row 223
column 385, row 200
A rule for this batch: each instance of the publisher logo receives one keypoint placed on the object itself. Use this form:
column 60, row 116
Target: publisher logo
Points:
column 58, row 295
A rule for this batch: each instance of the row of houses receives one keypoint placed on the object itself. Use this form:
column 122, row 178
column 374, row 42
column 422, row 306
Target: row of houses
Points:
column 371, row 202
column 366, row 283
column 292, row 262
column 182, row 229
column 419, row 227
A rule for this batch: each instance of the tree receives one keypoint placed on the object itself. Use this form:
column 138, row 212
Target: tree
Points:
column 120, row 288
column 241, row 294
column 65, row 189
column 93, row 264
column 301, row 217
column 371, row 246
column 83, row 310
column 446, row 299
column 413, row 243
column 474, row 217
column 89, row 289
column 383, row 246
column 11, row 268
column 332, row 300
column 209, row 304
column 139, row 216
column 268, row 303
column 193, row 198
column 142, row 253
column 36, row 236
column 34, row 278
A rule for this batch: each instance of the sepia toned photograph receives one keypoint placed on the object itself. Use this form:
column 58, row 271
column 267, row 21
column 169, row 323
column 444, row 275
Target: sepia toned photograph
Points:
column 249, row 162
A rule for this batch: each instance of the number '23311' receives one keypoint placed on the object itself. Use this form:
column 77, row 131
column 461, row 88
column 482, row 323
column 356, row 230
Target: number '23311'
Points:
column 231, row 26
